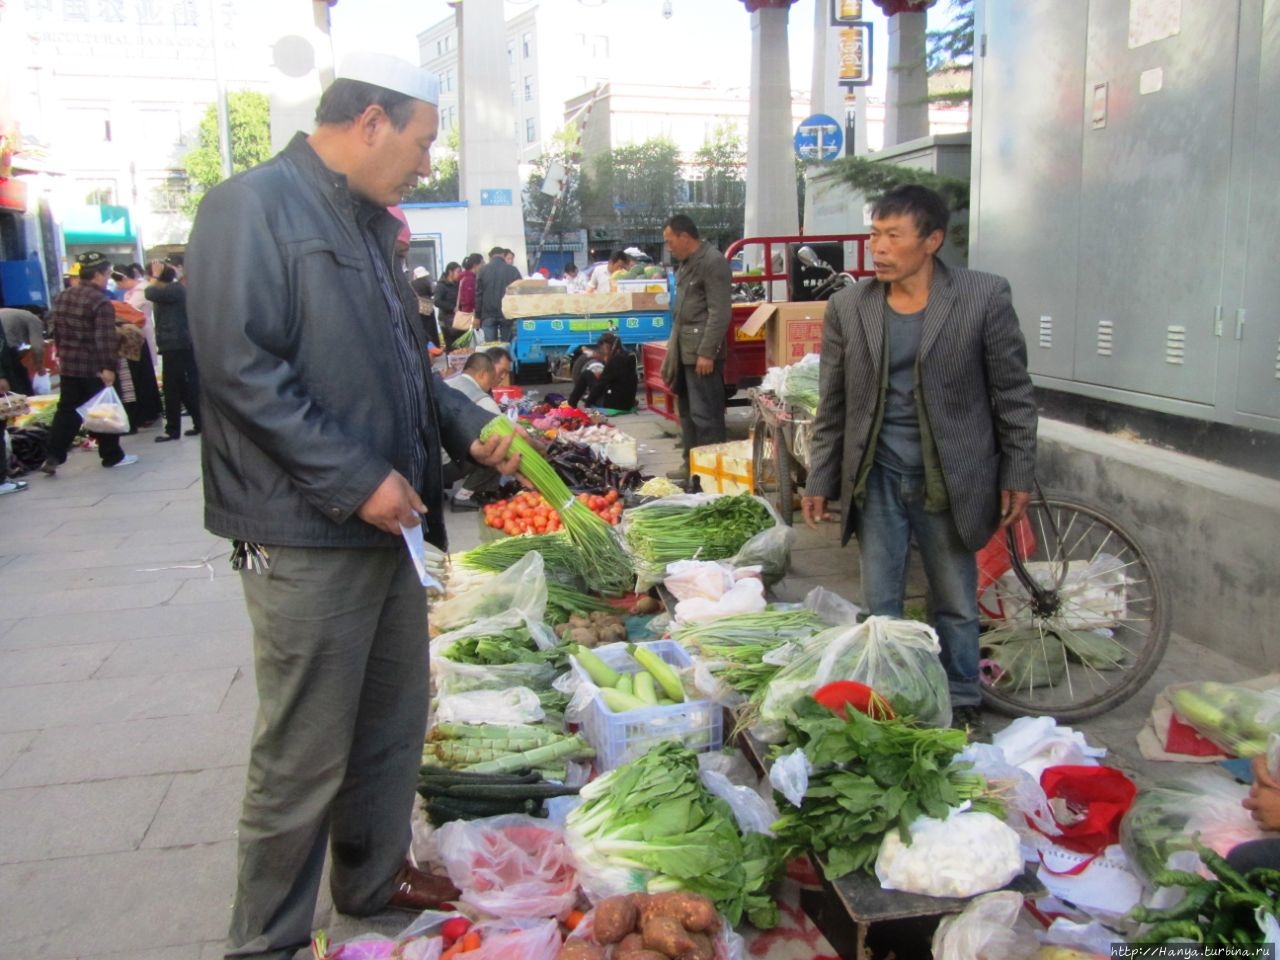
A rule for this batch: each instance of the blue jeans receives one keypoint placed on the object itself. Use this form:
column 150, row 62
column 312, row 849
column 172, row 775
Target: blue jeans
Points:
column 894, row 510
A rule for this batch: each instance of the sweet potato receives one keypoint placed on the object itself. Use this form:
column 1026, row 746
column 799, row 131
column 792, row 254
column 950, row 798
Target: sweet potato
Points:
column 632, row 943
column 580, row 950
column 703, row 948
column 665, row 934
column 694, row 911
column 641, row 954
column 615, row 918
column 641, row 900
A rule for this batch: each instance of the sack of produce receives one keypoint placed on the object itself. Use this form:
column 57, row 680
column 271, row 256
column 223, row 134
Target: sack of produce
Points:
column 513, row 866
column 1165, row 819
column 521, row 587
column 1237, row 718
column 896, row 658
column 495, row 653
column 966, row 854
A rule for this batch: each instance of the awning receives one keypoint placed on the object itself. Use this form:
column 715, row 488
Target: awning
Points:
column 98, row 224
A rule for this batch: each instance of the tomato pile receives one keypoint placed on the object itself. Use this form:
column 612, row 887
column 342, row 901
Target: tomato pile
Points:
column 529, row 512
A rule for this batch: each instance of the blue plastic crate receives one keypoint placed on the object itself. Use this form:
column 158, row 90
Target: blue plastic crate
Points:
column 621, row 737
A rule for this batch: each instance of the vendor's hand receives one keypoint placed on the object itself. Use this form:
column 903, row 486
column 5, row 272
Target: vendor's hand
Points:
column 1261, row 775
column 1263, row 803
column 1013, row 506
column 705, row 366
column 394, row 504
column 496, row 453
column 815, row 511
column 108, row 377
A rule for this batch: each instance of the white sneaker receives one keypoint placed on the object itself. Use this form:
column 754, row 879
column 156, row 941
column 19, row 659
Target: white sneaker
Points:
column 12, row 486
column 127, row 459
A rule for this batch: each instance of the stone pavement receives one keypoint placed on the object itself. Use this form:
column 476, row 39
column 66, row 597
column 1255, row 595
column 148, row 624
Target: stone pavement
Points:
column 127, row 701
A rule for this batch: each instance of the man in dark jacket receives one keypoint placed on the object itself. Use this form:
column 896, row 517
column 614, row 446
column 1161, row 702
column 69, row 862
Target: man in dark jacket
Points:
column 694, row 365
column 173, row 340
column 491, row 286
column 926, row 424
column 322, row 443
column 611, row 381
column 84, row 327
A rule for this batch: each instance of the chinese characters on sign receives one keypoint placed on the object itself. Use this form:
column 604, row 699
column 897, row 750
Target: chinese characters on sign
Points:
column 846, row 11
column 855, row 55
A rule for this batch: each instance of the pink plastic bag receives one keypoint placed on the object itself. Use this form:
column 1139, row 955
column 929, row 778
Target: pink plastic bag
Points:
column 517, row 940
column 512, row 866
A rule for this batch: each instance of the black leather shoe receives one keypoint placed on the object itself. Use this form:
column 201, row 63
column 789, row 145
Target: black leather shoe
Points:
column 192, row 433
column 166, row 437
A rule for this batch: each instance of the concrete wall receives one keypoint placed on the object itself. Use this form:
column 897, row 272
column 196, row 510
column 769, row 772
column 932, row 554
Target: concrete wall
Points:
column 1213, row 531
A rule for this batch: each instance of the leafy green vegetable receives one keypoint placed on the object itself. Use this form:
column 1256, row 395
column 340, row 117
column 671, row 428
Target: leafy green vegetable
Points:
column 658, row 533
column 653, row 820
column 514, row 645
column 871, row 776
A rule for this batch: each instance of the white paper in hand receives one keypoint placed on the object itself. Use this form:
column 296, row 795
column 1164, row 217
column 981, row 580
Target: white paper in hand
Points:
column 418, row 552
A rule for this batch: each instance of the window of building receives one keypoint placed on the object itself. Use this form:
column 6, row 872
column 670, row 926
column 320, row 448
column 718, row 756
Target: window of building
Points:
column 448, row 80
column 526, row 45
column 98, row 190
column 528, row 87
column 168, row 192
column 530, row 131
column 88, row 123
column 511, row 51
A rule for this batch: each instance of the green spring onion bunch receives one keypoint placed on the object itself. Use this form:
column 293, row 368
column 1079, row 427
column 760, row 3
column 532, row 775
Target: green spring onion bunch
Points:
column 604, row 563
column 659, row 534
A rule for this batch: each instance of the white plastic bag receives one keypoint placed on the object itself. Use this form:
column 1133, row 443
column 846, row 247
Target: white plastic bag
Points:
column 1035, row 743
column 42, row 383
column 745, row 596
column 985, row 931
column 688, row 579
column 1026, row 807
column 790, row 776
column 510, row 866
column 104, row 413
column 896, row 658
column 966, row 854
column 509, row 706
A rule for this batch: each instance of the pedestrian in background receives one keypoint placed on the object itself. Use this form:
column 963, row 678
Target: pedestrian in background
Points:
column 694, row 365
column 129, row 282
column 173, row 337
column 323, row 434
column 472, row 263
column 84, row 328
column 491, row 287
column 8, row 373
column 23, row 325
column 926, row 425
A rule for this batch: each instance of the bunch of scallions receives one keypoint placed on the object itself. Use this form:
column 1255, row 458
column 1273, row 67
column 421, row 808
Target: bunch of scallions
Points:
column 735, row 647
column 659, row 534
column 604, row 563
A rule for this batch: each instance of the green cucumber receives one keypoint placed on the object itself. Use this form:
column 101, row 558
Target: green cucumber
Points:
column 645, row 687
column 601, row 674
column 620, row 702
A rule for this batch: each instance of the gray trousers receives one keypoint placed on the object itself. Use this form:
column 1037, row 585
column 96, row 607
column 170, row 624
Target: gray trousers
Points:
column 340, row 656
column 700, row 403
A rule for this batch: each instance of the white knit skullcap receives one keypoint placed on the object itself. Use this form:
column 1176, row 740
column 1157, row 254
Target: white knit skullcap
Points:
column 391, row 73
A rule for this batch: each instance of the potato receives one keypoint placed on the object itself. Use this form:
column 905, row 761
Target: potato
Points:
column 631, row 943
column 580, row 950
column 578, row 620
column 612, row 633
column 665, row 934
column 561, row 629
column 595, row 616
column 641, row 954
column 694, row 912
column 645, row 606
column 584, row 636
column 615, row 918
column 703, row 948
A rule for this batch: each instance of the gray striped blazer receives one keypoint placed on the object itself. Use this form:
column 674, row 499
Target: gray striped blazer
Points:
column 977, row 394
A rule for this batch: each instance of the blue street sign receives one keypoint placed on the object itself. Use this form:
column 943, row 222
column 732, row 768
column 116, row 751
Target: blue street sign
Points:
column 495, row 198
column 819, row 138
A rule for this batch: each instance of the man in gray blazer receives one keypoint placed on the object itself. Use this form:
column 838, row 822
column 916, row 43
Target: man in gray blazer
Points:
column 926, row 424
column 694, row 365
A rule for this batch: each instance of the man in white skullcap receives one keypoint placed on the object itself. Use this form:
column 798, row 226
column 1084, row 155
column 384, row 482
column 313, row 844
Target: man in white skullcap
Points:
column 322, row 441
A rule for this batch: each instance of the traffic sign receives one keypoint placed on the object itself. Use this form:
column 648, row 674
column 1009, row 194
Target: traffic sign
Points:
column 819, row 138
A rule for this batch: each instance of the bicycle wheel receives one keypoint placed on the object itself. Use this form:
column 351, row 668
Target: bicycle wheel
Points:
column 772, row 466
column 1076, row 621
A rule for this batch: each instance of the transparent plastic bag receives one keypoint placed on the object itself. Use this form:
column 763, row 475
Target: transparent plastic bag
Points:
column 451, row 676
column 510, row 866
column 1238, row 718
column 418, row 941
column 966, row 854
column 770, row 550
column 506, row 705
column 832, row 608
column 1034, row 743
column 517, row 939
column 1164, row 819
column 753, row 813
column 521, row 587
column 986, row 930
column 104, row 413
column 896, row 658
column 1026, row 808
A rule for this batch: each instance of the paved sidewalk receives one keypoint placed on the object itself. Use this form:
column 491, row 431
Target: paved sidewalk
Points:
column 127, row 703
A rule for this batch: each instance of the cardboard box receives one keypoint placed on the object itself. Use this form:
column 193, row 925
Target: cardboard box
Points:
column 791, row 330
column 724, row 467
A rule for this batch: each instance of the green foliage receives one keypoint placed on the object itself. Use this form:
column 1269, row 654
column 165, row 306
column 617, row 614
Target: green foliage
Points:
column 950, row 49
column 873, row 179
column 719, row 201
column 538, row 205
column 443, row 186
column 249, row 128
column 634, row 187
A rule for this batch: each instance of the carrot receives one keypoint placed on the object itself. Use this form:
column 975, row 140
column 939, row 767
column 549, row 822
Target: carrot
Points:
column 469, row 942
column 573, row 919
column 452, row 951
